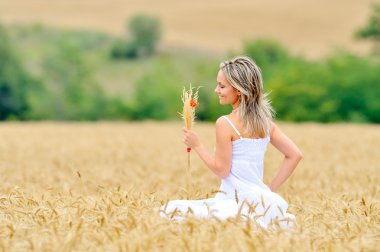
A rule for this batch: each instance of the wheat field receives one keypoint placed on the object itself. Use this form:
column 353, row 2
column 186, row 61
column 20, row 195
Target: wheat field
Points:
column 311, row 28
column 98, row 187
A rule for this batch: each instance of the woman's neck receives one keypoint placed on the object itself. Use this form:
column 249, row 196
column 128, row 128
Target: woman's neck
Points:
column 235, row 107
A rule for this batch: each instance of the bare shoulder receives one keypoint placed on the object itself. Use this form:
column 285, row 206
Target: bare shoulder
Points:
column 222, row 126
column 221, row 122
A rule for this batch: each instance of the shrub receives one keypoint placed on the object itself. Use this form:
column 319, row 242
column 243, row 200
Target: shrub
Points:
column 14, row 81
column 124, row 49
column 145, row 32
column 74, row 95
column 371, row 31
column 157, row 94
column 266, row 53
column 342, row 88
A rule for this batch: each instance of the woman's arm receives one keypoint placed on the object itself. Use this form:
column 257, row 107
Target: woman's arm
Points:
column 220, row 164
column 292, row 155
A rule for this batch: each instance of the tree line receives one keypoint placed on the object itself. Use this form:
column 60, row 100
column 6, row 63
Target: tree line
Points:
column 341, row 87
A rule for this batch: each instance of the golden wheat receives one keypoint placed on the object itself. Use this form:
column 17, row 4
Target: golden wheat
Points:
column 98, row 186
column 190, row 101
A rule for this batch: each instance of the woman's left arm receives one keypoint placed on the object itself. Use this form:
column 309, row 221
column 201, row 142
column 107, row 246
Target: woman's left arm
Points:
column 220, row 164
column 292, row 155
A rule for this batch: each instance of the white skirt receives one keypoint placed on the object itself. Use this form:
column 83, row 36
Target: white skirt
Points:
column 264, row 208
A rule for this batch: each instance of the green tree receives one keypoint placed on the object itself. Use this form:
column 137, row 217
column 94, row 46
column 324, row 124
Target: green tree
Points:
column 266, row 53
column 157, row 94
column 74, row 95
column 343, row 87
column 146, row 32
column 124, row 49
column 14, row 81
column 371, row 30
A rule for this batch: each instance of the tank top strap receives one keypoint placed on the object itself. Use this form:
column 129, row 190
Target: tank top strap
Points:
column 233, row 126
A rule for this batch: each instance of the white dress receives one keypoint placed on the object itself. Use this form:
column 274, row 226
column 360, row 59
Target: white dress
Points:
column 242, row 193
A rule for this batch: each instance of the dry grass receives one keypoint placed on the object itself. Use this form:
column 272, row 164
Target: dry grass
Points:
column 309, row 27
column 98, row 186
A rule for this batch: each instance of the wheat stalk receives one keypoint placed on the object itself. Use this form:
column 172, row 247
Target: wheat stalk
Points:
column 190, row 101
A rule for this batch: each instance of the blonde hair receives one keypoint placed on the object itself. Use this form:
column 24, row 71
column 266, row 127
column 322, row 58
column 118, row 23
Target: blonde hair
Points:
column 255, row 110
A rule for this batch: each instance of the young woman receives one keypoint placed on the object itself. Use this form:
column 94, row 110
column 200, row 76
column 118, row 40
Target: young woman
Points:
column 241, row 142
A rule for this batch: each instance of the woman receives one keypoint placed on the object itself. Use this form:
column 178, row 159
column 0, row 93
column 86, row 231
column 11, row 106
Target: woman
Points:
column 241, row 142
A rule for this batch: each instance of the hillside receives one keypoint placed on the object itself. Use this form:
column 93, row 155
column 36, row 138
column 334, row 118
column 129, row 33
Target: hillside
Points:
column 307, row 27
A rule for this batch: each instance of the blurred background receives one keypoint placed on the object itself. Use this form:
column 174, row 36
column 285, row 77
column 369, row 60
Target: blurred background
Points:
column 129, row 60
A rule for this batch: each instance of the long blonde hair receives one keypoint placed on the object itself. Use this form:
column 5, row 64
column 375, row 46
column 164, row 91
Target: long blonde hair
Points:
column 254, row 110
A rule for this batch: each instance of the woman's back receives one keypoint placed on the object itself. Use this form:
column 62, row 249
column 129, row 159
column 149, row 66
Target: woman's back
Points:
column 247, row 166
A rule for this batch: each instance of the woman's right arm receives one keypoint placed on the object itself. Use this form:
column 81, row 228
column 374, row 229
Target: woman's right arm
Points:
column 292, row 156
column 220, row 163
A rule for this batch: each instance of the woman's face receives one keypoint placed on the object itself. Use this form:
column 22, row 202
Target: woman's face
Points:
column 227, row 94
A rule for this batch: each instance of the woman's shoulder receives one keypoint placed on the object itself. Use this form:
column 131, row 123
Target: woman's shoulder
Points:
column 221, row 120
column 225, row 122
column 225, row 119
column 223, row 128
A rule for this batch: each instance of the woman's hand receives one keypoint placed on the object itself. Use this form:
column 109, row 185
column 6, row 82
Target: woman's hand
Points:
column 190, row 138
